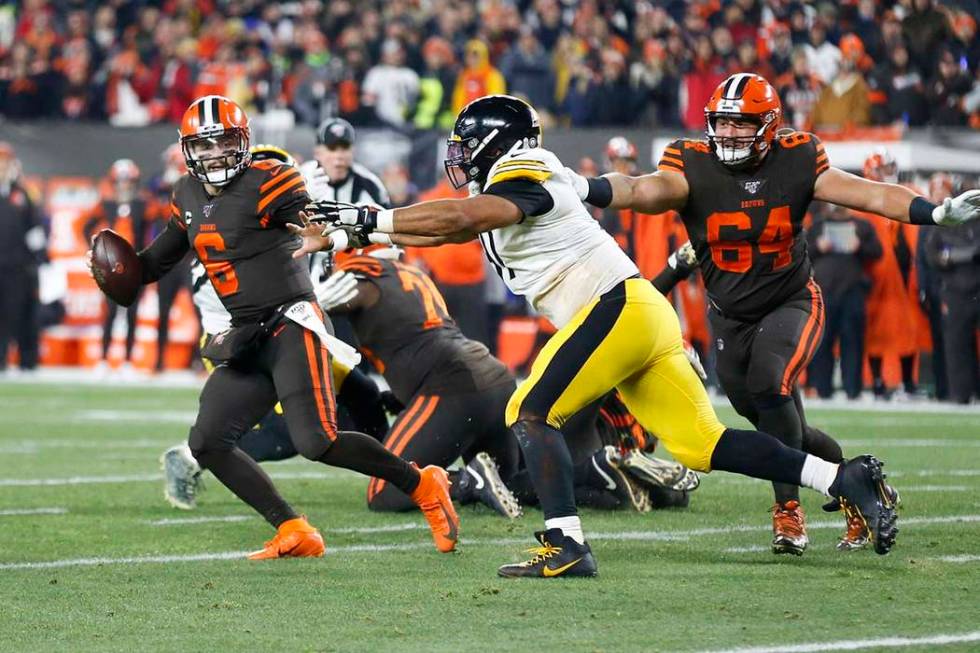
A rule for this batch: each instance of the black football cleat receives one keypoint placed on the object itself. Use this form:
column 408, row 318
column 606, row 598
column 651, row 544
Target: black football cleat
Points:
column 480, row 480
column 610, row 475
column 863, row 495
column 558, row 556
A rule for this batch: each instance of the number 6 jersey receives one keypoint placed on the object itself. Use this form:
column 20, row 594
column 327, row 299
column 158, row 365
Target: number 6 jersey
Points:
column 747, row 226
column 240, row 237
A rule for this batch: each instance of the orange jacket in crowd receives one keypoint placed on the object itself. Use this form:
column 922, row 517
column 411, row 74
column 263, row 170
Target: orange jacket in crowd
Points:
column 478, row 81
column 896, row 325
column 455, row 264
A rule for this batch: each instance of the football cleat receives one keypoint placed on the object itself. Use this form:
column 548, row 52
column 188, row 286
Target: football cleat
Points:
column 182, row 477
column 607, row 463
column 557, row 556
column 432, row 498
column 789, row 528
column 660, row 473
column 481, row 480
column 861, row 490
column 856, row 536
column 295, row 538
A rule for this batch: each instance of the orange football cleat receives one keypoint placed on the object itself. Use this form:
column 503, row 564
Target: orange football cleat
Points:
column 432, row 498
column 789, row 528
column 296, row 538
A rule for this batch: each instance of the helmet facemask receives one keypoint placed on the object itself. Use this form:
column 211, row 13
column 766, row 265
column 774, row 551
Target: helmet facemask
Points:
column 740, row 151
column 228, row 147
column 464, row 162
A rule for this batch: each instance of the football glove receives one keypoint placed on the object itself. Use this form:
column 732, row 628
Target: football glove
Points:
column 339, row 288
column 343, row 237
column 684, row 260
column 344, row 215
column 957, row 210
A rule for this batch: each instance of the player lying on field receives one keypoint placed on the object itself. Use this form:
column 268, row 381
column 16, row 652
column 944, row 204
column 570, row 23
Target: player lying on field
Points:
column 232, row 213
column 743, row 194
column 614, row 329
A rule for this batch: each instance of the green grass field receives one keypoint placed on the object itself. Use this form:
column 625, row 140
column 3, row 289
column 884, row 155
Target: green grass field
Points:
column 80, row 490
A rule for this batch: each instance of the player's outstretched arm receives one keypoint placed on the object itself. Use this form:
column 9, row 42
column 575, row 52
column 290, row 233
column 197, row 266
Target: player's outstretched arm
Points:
column 893, row 201
column 654, row 193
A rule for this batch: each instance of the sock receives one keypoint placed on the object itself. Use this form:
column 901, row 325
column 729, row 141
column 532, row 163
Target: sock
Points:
column 779, row 418
column 908, row 365
column 269, row 440
column 549, row 465
column 248, row 482
column 570, row 526
column 758, row 455
column 364, row 454
column 818, row 474
column 822, row 445
column 874, row 362
column 362, row 399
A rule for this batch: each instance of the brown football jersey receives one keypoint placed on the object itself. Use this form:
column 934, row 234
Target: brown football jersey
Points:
column 747, row 225
column 241, row 238
column 410, row 337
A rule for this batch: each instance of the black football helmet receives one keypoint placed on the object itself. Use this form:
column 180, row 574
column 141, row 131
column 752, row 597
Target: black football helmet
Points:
column 485, row 130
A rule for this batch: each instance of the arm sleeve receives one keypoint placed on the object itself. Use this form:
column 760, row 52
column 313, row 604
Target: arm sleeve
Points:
column 822, row 162
column 282, row 195
column 667, row 280
column 165, row 251
column 529, row 196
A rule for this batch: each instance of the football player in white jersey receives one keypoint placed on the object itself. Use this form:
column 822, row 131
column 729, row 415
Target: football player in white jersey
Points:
column 614, row 329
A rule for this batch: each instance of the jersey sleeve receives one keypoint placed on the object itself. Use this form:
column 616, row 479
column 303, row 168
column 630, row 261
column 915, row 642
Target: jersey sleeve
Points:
column 525, row 167
column 811, row 150
column 168, row 248
column 672, row 159
column 282, row 194
column 362, row 267
column 822, row 162
column 529, row 196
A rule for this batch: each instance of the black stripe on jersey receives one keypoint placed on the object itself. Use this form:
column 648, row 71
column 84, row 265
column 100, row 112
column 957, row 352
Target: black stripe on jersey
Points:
column 494, row 256
column 572, row 355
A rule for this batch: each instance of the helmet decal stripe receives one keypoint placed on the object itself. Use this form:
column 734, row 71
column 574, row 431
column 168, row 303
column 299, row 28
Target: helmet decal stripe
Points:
column 200, row 113
column 215, row 110
column 742, row 83
column 736, row 86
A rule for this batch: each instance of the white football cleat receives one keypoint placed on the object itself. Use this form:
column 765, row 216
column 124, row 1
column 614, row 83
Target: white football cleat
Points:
column 182, row 477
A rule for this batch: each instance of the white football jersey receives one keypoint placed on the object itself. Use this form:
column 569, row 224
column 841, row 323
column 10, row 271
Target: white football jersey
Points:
column 214, row 318
column 560, row 260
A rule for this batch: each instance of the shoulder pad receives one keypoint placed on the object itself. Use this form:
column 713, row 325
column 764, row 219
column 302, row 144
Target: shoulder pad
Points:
column 535, row 164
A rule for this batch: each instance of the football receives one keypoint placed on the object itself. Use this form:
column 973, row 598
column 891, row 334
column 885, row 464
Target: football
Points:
column 116, row 267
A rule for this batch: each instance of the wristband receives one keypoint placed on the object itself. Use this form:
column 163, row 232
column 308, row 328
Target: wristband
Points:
column 600, row 192
column 379, row 238
column 384, row 221
column 920, row 212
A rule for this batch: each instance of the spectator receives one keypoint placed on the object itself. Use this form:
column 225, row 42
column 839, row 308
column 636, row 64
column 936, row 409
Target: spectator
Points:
column 655, row 82
column 844, row 102
column 740, row 30
column 748, row 61
column 545, row 19
column 930, row 287
column 478, row 77
column 527, row 69
column 391, row 87
column 434, row 110
column 781, row 51
column 612, row 96
column 925, row 29
column 903, row 89
column 21, row 86
column 955, row 254
column 825, row 57
column 24, row 244
column 177, row 79
column 129, row 91
column 703, row 75
column 947, row 91
column 799, row 91
column 840, row 246
column 577, row 102
column 965, row 44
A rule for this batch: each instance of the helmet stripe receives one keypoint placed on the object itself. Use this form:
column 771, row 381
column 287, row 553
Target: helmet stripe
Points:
column 215, row 111
column 200, row 113
column 736, row 86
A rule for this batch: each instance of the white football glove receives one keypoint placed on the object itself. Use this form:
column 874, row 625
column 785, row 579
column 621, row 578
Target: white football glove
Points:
column 684, row 256
column 316, row 180
column 579, row 183
column 339, row 288
column 695, row 361
column 957, row 210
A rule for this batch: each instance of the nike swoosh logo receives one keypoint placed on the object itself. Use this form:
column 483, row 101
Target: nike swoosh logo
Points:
column 479, row 479
column 610, row 484
column 549, row 572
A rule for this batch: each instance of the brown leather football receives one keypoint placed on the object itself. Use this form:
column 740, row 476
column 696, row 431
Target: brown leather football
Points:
column 116, row 267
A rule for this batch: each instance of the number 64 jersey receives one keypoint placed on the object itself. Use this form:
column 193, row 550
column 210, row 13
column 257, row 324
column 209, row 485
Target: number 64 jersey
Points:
column 747, row 226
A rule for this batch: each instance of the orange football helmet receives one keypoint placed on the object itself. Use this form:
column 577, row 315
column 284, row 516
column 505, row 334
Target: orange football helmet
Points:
column 124, row 170
column 745, row 96
column 619, row 147
column 215, row 138
column 881, row 166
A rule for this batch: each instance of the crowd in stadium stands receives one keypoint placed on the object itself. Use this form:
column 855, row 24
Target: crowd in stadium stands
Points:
column 410, row 64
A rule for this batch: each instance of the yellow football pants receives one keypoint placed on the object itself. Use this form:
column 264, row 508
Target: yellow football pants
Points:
column 628, row 339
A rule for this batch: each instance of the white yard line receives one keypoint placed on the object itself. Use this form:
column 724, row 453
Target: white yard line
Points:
column 911, row 443
column 860, row 644
column 140, row 478
column 354, row 548
column 18, row 512
column 966, row 557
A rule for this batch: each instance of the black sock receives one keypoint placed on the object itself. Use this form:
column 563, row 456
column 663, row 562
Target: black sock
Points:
column 269, row 440
column 248, row 482
column 758, row 455
column 362, row 399
column 364, row 454
column 874, row 362
column 521, row 486
column 821, row 445
column 778, row 417
column 550, row 467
